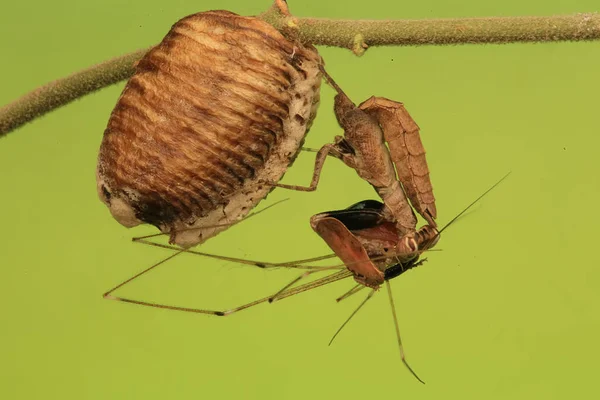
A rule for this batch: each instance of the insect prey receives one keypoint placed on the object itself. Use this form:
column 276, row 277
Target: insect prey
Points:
column 362, row 236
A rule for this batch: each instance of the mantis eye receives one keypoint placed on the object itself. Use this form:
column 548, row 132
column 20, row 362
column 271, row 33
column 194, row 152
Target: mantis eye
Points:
column 435, row 240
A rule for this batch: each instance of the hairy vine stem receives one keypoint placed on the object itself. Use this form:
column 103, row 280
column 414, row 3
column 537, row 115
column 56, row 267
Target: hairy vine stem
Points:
column 356, row 35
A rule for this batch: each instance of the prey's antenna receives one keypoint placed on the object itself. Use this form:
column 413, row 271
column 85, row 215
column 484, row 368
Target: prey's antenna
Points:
column 473, row 203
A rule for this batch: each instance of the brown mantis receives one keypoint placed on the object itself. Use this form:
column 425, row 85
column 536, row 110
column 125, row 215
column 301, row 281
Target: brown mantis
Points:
column 367, row 128
column 392, row 238
column 375, row 241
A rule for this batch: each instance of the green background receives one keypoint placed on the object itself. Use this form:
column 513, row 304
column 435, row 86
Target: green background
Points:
column 508, row 309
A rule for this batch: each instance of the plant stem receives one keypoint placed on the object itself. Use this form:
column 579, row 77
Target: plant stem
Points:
column 62, row 91
column 491, row 30
column 352, row 34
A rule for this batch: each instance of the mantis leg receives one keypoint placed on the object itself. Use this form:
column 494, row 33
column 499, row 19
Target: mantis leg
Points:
column 319, row 161
column 408, row 154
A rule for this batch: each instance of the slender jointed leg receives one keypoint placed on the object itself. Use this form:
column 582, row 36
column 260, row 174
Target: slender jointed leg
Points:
column 319, row 161
column 297, row 290
column 278, row 295
column 108, row 295
column 389, row 290
column 407, row 152
column 298, row 264
column 353, row 314
column 350, row 292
